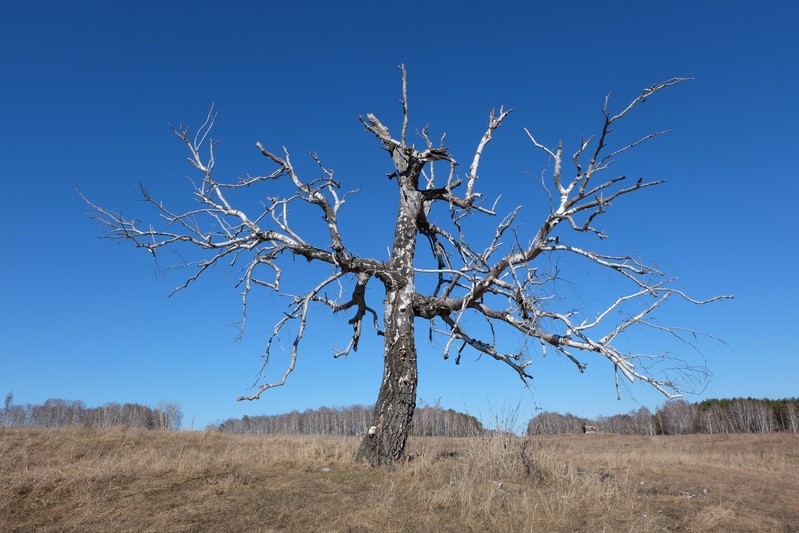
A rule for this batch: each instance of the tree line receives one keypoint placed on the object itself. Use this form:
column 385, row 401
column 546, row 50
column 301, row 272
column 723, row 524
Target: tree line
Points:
column 678, row 417
column 353, row 420
column 736, row 415
column 675, row 417
column 57, row 412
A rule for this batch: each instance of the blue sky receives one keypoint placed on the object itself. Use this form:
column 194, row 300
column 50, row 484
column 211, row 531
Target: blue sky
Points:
column 88, row 91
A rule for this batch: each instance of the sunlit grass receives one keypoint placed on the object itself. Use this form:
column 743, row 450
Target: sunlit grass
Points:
column 136, row 480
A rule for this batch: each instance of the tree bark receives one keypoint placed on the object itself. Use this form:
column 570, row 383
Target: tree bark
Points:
column 384, row 443
column 393, row 412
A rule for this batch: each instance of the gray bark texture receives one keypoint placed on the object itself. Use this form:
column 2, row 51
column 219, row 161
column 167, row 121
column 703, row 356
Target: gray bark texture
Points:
column 396, row 401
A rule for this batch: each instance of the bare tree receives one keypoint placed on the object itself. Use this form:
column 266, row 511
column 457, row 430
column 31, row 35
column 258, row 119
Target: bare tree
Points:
column 503, row 282
column 169, row 415
column 550, row 423
column 9, row 403
column 792, row 415
column 642, row 422
column 677, row 417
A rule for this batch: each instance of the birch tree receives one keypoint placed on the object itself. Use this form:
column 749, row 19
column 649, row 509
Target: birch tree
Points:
column 504, row 282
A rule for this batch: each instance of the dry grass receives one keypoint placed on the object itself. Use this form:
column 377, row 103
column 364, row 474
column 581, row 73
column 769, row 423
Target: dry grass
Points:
column 129, row 480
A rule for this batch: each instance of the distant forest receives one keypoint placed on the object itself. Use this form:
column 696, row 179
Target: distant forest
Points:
column 64, row 413
column 676, row 417
column 427, row 422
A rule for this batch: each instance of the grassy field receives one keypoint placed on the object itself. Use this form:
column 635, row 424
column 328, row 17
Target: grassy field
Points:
column 131, row 480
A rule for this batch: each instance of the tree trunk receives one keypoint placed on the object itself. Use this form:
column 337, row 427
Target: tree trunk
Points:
column 393, row 412
column 384, row 443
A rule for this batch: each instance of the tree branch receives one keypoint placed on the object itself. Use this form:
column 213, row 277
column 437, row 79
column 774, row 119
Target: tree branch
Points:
column 510, row 282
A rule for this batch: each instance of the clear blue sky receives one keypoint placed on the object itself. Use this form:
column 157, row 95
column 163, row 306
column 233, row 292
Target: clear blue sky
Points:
column 89, row 88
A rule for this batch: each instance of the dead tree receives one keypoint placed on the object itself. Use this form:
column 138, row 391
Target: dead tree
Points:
column 501, row 281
